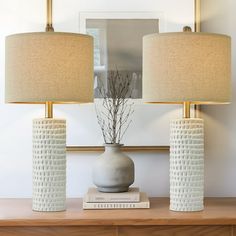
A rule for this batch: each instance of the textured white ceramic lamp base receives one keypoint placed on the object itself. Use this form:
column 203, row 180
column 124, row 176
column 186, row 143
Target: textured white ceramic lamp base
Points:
column 49, row 164
column 186, row 165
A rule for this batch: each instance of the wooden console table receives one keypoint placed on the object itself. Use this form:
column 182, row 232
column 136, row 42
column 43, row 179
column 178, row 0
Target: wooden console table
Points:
column 218, row 219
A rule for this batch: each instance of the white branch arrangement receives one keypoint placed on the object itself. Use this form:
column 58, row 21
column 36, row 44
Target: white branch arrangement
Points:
column 116, row 109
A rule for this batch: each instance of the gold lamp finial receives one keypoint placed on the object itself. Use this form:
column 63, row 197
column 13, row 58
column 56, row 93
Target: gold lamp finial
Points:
column 49, row 26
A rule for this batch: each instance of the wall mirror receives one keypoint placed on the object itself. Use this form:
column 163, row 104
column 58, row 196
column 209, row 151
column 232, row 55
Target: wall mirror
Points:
column 118, row 45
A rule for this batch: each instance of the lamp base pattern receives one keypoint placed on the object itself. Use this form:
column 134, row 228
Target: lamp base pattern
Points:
column 49, row 164
column 186, row 164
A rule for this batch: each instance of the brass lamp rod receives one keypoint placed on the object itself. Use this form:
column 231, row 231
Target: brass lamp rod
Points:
column 49, row 27
column 49, row 110
column 197, row 15
column 186, row 105
column 186, row 111
column 197, row 28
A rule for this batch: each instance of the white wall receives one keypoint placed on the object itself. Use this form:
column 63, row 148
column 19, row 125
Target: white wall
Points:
column 152, row 174
column 220, row 121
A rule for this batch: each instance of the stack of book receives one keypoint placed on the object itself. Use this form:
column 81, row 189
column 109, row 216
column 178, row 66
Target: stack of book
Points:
column 131, row 199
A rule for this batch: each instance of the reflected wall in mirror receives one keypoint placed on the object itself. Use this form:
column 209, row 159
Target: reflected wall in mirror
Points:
column 118, row 46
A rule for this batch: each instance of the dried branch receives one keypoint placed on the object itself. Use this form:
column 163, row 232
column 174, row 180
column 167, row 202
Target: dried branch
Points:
column 116, row 109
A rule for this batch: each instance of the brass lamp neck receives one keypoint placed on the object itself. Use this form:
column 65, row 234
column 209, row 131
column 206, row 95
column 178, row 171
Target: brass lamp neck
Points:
column 49, row 26
column 49, row 110
column 186, row 109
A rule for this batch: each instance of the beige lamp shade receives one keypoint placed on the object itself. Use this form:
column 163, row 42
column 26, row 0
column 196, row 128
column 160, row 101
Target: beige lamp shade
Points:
column 186, row 66
column 49, row 66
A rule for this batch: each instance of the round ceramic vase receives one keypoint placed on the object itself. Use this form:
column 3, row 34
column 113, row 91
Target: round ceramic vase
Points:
column 113, row 171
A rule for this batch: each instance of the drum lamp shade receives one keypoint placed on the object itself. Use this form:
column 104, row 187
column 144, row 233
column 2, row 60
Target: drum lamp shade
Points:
column 49, row 66
column 187, row 67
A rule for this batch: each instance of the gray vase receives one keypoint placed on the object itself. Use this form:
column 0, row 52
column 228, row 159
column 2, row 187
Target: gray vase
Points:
column 113, row 171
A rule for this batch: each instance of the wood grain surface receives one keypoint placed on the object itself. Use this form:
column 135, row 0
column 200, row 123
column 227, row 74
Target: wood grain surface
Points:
column 17, row 212
column 175, row 230
column 117, row 231
column 59, row 231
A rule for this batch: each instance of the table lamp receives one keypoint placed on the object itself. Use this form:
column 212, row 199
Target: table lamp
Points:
column 47, row 68
column 186, row 68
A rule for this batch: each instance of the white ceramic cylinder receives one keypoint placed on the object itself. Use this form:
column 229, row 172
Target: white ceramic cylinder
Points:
column 186, row 164
column 49, row 164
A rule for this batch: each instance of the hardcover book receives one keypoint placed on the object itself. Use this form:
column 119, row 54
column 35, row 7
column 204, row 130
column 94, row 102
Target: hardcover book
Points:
column 93, row 195
column 144, row 203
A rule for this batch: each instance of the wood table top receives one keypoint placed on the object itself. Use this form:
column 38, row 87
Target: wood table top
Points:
column 18, row 212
